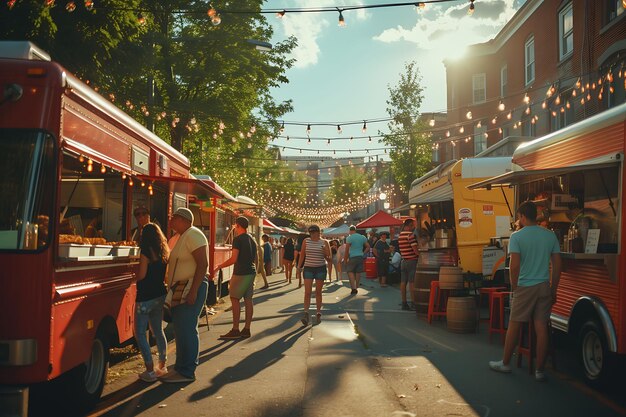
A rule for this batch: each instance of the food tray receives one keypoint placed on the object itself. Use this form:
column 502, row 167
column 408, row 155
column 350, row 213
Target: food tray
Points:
column 100, row 250
column 121, row 250
column 73, row 250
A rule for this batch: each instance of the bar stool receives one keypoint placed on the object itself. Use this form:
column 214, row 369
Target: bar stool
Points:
column 528, row 345
column 488, row 291
column 496, row 315
column 436, row 301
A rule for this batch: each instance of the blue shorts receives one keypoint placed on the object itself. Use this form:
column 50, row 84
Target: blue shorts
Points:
column 315, row 272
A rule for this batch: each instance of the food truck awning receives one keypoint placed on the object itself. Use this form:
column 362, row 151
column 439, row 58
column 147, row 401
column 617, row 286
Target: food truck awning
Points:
column 201, row 189
column 522, row 177
column 442, row 193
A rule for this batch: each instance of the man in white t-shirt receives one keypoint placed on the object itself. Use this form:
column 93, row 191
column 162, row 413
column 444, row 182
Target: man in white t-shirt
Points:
column 188, row 266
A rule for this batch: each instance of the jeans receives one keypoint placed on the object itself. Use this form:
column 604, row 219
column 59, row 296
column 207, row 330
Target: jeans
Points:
column 150, row 311
column 185, row 321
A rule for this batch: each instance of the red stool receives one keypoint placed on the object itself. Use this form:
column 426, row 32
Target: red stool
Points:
column 436, row 301
column 488, row 291
column 528, row 345
column 496, row 315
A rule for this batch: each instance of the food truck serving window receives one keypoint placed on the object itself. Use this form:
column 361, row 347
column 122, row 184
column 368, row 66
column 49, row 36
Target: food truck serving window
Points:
column 574, row 203
column 27, row 178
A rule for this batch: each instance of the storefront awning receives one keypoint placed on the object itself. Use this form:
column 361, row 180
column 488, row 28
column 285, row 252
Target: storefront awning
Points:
column 522, row 177
column 442, row 193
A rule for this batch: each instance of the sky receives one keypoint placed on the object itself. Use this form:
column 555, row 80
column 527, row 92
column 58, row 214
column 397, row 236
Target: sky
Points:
column 343, row 74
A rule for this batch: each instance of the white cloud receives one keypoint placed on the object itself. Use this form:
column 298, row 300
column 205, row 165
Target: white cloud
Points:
column 448, row 30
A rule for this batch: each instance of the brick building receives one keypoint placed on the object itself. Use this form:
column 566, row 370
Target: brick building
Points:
column 554, row 63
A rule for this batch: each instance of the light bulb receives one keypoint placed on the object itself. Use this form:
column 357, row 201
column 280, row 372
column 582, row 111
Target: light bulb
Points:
column 364, row 128
column 501, row 106
column 339, row 129
column 308, row 130
column 342, row 21
column 526, row 99
column 281, row 14
column 432, row 122
column 468, row 115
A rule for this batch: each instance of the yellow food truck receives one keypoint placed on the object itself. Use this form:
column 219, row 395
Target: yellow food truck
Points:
column 459, row 222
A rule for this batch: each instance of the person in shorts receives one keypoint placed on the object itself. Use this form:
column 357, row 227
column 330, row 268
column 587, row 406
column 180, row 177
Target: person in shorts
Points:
column 241, row 284
column 409, row 250
column 356, row 246
column 315, row 261
column 381, row 251
column 533, row 285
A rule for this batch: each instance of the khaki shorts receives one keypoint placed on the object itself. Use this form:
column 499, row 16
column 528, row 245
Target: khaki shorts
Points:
column 533, row 302
column 241, row 286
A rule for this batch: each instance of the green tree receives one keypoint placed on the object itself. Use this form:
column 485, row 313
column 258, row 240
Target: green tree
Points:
column 352, row 183
column 411, row 153
column 203, row 88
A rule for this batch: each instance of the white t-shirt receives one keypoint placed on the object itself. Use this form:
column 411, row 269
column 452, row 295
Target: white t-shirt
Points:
column 396, row 259
column 182, row 264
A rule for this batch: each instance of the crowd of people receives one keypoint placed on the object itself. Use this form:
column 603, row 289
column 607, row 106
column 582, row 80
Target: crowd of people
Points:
column 172, row 279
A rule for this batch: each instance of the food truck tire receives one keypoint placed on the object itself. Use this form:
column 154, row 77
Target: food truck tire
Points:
column 87, row 379
column 593, row 351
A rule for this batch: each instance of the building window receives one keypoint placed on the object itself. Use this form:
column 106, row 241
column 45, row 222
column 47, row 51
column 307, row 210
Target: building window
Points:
column 566, row 32
column 614, row 9
column 480, row 141
column 479, row 86
column 435, row 156
column 529, row 60
column 559, row 119
column 503, row 80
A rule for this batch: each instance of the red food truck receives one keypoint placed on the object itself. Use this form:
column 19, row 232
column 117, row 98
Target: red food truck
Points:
column 73, row 168
column 576, row 178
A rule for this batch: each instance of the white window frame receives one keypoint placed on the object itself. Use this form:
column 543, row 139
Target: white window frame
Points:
column 478, row 79
column 504, row 80
column 566, row 34
column 529, row 60
column 480, row 141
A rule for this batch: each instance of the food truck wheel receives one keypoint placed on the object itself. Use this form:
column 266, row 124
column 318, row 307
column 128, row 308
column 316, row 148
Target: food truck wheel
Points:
column 89, row 378
column 593, row 352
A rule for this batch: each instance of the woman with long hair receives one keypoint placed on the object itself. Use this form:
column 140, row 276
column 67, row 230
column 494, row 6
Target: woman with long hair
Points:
column 150, row 297
column 288, row 257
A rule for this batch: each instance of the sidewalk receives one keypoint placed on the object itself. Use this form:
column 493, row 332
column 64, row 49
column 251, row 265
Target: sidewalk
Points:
column 316, row 370
column 366, row 358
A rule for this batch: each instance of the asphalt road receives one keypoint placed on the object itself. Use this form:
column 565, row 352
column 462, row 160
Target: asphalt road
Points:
column 366, row 358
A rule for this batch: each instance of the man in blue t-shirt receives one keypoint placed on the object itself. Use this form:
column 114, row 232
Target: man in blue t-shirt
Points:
column 532, row 250
column 356, row 246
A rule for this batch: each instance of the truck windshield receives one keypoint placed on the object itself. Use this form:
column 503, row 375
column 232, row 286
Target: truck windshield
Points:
column 27, row 188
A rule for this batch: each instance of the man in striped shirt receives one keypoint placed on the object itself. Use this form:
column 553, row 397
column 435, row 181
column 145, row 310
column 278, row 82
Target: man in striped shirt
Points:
column 409, row 252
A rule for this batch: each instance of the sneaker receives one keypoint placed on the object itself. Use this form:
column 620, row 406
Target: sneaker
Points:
column 499, row 366
column 232, row 334
column 175, row 377
column 354, row 291
column 148, row 376
column 305, row 319
column 318, row 318
column 540, row 375
column 245, row 333
column 405, row 306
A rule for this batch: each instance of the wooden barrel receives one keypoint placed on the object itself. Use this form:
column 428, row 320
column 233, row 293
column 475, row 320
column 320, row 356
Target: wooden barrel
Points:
column 371, row 268
column 461, row 314
column 451, row 278
column 423, row 277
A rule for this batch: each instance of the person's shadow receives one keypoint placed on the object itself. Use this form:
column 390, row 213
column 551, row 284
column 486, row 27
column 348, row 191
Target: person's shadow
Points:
column 251, row 365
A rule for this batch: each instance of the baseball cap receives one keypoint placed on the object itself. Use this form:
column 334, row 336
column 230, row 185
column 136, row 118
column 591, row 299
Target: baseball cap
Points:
column 185, row 213
column 353, row 228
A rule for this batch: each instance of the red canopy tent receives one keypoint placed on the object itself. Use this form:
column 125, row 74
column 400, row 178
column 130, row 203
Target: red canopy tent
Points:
column 379, row 219
column 271, row 226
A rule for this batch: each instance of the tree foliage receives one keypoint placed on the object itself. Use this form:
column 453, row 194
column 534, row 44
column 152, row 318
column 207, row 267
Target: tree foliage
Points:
column 411, row 153
column 352, row 183
column 202, row 88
